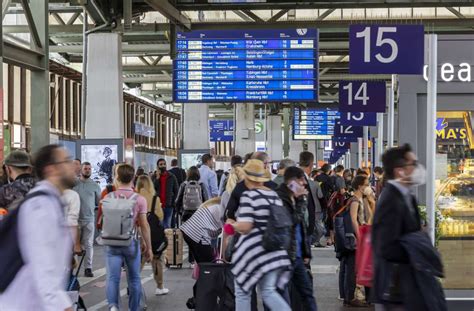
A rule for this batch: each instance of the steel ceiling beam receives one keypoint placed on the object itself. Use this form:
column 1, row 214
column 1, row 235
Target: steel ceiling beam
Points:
column 338, row 4
column 170, row 12
column 67, row 29
column 455, row 12
column 31, row 23
column 22, row 57
column 137, row 69
column 277, row 16
column 150, row 49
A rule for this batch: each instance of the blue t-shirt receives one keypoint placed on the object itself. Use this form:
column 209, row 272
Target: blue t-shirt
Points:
column 299, row 242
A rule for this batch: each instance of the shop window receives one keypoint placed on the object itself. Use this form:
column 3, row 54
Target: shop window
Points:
column 18, row 140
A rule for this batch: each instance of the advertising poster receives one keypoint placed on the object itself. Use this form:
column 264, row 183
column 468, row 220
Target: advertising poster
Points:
column 102, row 158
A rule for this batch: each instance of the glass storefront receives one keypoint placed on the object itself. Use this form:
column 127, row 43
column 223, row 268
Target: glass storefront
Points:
column 455, row 196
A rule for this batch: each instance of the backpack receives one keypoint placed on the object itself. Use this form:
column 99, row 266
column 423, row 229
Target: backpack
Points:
column 278, row 234
column 345, row 240
column 192, row 196
column 11, row 259
column 118, row 228
column 159, row 242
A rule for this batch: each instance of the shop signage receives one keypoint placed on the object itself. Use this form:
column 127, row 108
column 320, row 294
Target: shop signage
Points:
column 449, row 72
column 144, row 130
column 359, row 118
column 444, row 131
column 386, row 49
column 362, row 96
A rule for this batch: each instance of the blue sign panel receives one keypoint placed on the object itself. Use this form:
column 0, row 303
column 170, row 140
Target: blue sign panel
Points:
column 312, row 123
column 246, row 66
column 347, row 133
column 359, row 118
column 362, row 96
column 221, row 130
column 339, row 145
column 386, row 49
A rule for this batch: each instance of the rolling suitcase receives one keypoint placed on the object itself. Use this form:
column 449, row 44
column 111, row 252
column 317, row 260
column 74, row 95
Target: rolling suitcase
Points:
column 73, row 287
column 174, row 251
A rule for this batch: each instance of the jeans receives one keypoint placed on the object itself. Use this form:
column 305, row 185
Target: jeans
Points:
column 87, row 242
column 115, row 256
column 268, row 290
column 303, row 285
column 186, row 216
column 168, row 215
column 347, row 277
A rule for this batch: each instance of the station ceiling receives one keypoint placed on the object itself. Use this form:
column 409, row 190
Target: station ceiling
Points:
column 148, row 28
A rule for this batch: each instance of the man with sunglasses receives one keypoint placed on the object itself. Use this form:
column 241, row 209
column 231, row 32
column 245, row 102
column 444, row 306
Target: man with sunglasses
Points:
column 43, row 255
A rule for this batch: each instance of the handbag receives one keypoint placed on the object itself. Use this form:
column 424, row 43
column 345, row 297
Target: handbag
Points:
column 364, row 262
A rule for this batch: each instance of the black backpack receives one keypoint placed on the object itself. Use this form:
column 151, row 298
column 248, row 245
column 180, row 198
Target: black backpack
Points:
column 345, row 240
column 11, row 259
column 159, row 242
column 277, row 236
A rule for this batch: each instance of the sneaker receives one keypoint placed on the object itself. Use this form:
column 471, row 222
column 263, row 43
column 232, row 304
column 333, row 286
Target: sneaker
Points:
column 88, row 273
column 161, row 291
column 114, row 308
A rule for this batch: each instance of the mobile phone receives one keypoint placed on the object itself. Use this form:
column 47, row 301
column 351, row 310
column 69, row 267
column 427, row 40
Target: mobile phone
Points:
column 294, row 186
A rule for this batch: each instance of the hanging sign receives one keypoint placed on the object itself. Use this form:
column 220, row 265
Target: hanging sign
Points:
column 347, row 133
column 359, row 118
column 362, row 96
column 341, row 145
column 386, row 49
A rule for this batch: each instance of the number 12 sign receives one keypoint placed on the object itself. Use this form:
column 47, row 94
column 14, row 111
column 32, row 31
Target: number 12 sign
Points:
column 386, row 49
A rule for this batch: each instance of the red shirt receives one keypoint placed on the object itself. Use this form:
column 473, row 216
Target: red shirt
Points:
column 163, row 178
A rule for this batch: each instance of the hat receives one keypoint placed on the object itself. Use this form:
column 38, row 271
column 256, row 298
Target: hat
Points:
column 18, row 158
column 255, row 171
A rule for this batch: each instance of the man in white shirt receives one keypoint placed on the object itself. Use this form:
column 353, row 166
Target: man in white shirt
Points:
column 44, row 240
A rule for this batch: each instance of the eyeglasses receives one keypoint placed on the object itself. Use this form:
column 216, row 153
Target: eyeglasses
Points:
column 414, row 163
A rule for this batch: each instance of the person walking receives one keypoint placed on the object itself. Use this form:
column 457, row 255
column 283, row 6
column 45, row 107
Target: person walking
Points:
column 19, row 171
column 44, row 243
column 130, row 255
column 252, row 264
column 89, row 193
column 293, row 194
column 145, row 188
column 282, row 166
column 325, row 181
column 316, row 202
column 166, row 187
column 178, row 172
column 235, row 161
column 208, row 176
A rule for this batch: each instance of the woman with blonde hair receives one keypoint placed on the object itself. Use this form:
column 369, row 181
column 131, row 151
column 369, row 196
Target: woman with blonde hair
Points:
column 145, row 188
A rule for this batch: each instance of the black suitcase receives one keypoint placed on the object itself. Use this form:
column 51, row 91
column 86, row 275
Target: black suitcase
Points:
column 74, row 286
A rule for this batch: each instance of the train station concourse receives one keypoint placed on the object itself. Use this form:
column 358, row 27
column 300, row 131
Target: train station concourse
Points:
column 237, row 155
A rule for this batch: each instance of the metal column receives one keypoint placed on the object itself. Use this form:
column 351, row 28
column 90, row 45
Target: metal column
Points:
column 359, row 152
column 379, row 145
column 366, row 146
column 40, row 79
column 286, row 132
column 1, row 92
column 391, row 113
column 431, row 133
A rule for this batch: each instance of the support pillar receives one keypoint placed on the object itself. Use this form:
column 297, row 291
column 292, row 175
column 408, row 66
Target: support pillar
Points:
column 319, row 151
column 274, row 141
column 244, row 126
column 359, row 152
column 40, row 79
column 366, row 146
column 195, row 126
column 431, row 133
column 379, row 141
column 286, row 132
column 104, row 87
column 391, row 113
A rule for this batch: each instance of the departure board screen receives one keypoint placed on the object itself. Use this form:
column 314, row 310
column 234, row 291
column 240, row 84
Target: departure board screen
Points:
column 314, row 123
column 246, row 66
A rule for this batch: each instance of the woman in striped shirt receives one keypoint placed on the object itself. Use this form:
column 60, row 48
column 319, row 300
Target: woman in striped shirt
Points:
column 252, row 264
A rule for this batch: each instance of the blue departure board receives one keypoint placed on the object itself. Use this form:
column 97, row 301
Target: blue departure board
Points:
column 314, row 123
column 246, row 66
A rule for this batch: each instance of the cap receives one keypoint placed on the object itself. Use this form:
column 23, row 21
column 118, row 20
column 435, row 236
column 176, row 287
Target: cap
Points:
column 18, row 158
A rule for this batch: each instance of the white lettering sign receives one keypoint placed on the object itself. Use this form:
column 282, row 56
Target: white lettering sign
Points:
column 448, row 72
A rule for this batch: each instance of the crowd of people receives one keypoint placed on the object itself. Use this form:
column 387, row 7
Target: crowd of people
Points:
column 263, row 224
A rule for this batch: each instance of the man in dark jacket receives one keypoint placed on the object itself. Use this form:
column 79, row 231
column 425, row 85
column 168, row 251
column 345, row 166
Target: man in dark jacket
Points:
column 293, row 194
column 19, row 169
column 325, row 181
column 178, row 172
column 396, row 215
column 166, row 187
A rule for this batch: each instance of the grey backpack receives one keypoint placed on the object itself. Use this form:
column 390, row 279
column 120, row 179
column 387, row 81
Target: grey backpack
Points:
column 192, row 196
column 118, row 228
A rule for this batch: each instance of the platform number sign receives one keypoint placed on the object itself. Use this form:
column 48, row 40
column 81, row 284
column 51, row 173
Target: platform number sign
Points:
column 386, row 49
column 347, row 133
column 362, row 96
column 359, row 118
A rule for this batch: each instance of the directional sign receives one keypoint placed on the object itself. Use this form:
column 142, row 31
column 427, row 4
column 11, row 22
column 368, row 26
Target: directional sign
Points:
column 359, row 118
column 362, row 96
column 347, row 133
column 386, row 49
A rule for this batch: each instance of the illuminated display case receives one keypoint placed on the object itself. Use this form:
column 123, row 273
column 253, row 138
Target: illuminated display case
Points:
column 455, row 196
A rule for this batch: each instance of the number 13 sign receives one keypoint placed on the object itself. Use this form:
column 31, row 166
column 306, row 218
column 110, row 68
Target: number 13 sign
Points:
column 386, row 49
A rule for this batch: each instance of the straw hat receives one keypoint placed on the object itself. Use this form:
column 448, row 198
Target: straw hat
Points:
column 255, row 171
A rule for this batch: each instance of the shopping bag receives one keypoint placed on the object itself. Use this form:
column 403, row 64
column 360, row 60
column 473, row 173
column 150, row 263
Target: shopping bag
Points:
column 364, row 263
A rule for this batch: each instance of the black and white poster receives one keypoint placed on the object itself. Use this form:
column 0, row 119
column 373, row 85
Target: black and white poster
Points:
column 102, row 158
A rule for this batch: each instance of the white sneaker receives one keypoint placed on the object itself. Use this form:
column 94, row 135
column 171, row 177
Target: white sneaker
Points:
column 161, row 291
column 114, row 308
